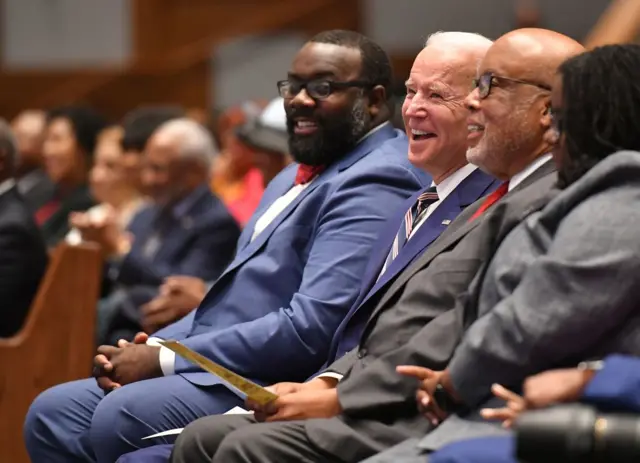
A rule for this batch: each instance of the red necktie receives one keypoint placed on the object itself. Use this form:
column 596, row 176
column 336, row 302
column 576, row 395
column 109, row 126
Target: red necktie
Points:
column 306, row 173
column 491, row 200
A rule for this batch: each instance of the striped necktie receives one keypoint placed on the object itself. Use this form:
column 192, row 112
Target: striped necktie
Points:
column 412, row 217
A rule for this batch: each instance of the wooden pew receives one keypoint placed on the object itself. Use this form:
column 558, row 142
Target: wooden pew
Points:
column 55, row 345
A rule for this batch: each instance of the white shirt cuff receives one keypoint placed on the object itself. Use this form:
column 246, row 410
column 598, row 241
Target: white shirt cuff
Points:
column 330, row 374
column 167, row 357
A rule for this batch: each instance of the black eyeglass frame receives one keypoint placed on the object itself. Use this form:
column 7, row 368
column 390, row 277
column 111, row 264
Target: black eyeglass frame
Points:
column 332, row 86
column 486, row 81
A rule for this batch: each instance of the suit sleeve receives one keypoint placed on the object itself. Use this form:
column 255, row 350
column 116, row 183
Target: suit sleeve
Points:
column 205, row 258
column 345, row 232
column 343, row 364
column 616, row 386
column 569, row 301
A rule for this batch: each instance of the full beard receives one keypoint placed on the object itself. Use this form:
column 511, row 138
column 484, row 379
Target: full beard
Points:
column 333, row 138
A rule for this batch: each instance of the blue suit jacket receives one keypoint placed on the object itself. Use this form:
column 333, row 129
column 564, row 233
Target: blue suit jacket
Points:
column 199, row 242
column 617, row 386
column 273, row 312
column 475, row 186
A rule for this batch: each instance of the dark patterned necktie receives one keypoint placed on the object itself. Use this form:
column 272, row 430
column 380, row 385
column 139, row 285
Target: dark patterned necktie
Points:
column 411, row 218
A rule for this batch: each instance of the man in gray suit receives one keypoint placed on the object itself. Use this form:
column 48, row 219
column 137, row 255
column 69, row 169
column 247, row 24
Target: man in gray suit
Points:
column 372, row 407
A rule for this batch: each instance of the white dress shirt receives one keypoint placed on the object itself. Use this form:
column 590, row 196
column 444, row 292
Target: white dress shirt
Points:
column 7, row 185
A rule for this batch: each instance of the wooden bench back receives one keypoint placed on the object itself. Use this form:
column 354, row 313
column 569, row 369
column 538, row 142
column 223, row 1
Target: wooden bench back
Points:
column 55, row 345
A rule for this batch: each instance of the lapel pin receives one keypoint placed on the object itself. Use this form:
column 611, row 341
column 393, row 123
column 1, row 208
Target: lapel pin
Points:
column 446, row 222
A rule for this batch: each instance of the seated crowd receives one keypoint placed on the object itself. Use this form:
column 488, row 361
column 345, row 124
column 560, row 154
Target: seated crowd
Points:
column 408, row 295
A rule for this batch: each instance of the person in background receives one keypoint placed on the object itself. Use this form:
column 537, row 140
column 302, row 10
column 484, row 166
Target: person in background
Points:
column 70, row 140
column 23, row 254
column 186, row 230
column 32, row 181
column 111, row 187
column 267, row 137
column 235, row 178
column 138, row 125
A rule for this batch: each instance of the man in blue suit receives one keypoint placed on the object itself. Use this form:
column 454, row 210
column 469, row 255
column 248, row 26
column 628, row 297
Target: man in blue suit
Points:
column 435, row 121
column 273, row 312
column 613, row 385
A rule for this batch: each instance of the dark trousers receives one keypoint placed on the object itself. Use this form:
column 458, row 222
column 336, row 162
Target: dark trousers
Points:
column 239, row 438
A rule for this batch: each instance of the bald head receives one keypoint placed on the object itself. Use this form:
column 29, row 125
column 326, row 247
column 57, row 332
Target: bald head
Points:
column 28, row 127
column 511, row 107
column 531, row 54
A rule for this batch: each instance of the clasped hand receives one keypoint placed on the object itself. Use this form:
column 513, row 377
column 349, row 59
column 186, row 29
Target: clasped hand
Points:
column 114, row 367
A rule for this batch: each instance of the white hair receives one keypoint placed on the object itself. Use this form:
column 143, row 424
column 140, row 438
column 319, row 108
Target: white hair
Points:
column 464, row 42
column 8, row 144
column 195, row 140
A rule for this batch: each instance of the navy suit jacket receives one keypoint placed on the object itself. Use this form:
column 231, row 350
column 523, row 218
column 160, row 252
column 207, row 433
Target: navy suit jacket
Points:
column 199, row 242
column 617, row 386
column 273, row 312
column 475, row 186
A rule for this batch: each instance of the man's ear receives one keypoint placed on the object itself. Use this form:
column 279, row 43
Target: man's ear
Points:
column 377, row 100
column 545, row 116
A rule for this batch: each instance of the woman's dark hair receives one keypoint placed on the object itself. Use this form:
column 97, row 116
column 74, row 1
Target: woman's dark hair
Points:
column 85, row 123
column 140, row 123
column 601, row 106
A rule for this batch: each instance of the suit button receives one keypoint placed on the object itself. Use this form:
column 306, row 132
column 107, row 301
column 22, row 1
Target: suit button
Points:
column 362, row 353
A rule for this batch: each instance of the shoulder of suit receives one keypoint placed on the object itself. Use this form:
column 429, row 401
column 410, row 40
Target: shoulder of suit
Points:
column 617, row 175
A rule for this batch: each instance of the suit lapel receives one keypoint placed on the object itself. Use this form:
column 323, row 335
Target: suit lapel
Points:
column 476, row 185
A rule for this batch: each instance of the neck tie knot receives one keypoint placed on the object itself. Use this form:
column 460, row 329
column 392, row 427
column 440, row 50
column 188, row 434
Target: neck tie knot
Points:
column 306, row 173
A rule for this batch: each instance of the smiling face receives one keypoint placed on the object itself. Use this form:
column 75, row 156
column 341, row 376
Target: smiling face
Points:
column 322, row 130
column 433, row 111
column 506, row 128
column 64, row 160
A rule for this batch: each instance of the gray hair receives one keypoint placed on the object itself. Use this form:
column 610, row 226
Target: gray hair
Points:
column 465, row 42
column 196, row 142
column 8, row 144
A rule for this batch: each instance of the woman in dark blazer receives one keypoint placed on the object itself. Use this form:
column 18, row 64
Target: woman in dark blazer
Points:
column 70, row 139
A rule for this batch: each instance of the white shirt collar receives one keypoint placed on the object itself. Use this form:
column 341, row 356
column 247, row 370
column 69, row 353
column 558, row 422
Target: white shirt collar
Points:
column 530, row 169
column 7, row 185
column 445, row 187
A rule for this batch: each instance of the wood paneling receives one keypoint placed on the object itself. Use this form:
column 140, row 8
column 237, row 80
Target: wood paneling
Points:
column 173, row 41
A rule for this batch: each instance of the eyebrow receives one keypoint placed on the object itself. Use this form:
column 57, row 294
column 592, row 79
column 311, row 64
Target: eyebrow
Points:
column 314, row 76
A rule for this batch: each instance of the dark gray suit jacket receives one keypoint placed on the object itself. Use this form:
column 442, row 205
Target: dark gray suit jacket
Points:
column 421, row 329
column 563, row 287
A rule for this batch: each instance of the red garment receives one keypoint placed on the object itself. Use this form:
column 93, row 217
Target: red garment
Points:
column 491, row 200
column 46, row 211
column 307, row 173
column 244, row 206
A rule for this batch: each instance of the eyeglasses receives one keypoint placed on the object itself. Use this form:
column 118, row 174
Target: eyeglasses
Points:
column 488, row 80
column 318, row 89
column 557, row 120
